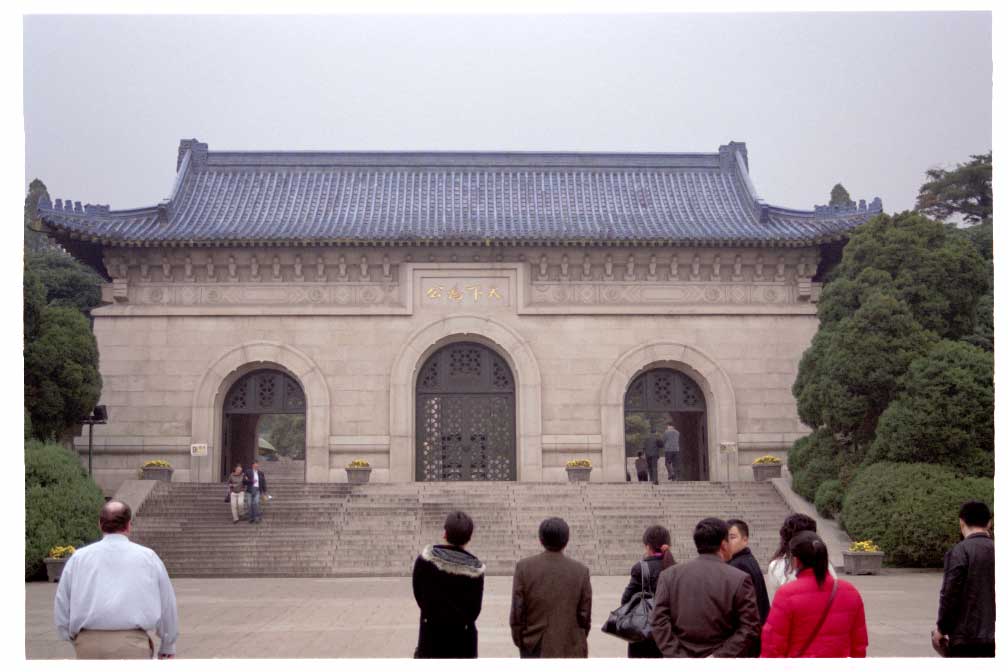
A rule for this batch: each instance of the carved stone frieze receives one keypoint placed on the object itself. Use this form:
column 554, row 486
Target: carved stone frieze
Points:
column 266, row 294
column 645, row 293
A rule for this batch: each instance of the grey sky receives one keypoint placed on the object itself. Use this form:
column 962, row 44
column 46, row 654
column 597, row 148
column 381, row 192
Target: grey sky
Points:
column 871, row 100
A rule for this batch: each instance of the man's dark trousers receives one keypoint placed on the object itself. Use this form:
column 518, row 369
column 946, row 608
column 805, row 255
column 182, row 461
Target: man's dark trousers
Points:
column 652, row 468
column 672, row 465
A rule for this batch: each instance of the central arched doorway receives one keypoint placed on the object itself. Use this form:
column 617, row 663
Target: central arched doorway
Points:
column 264, row 420
column 656, row 396
column 465, row 416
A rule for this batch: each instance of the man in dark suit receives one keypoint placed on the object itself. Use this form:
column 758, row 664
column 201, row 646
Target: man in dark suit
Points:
column 551, row 599
column 652, row 448
column 255, row 486
column 742, row 558
column 705, row 607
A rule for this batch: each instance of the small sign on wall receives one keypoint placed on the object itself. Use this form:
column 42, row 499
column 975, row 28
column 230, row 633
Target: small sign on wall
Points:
column 198, row 450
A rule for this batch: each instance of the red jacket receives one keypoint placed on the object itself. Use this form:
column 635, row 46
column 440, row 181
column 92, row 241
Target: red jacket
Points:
column 797, row 608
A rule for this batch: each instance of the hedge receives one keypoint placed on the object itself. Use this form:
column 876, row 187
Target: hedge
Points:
column 829, row 498
column 910, row 510
column 812, row 460
column 62, row 503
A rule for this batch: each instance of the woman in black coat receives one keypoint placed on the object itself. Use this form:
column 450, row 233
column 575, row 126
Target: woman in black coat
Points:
column 448, row 587
column 657, row 557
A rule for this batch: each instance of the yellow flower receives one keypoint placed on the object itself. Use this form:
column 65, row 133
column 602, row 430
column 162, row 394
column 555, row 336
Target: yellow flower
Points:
column 60, row 552
column 867, row 546
column 579, row 463
column 358, row 464
column 767, row 459
column 157, row 463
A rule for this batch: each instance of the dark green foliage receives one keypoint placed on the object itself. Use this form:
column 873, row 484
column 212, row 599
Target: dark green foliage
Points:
column 944, row 413
column 981, row 236
column 637, row 427
column 910, row 510
column 812, row 460
column 286, row 433
column 62, row 384
column 34, row 241
column 983, row 332
column 61, row 502
column 34, row 298
column 829, row 498
column 67, row 282
column 964, row 191
column 839, row 196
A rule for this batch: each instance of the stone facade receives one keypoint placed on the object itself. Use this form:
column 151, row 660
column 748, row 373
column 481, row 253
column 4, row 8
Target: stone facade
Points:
column 354, row 325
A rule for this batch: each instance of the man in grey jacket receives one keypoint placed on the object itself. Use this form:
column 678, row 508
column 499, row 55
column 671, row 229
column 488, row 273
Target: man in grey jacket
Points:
column 670, row 442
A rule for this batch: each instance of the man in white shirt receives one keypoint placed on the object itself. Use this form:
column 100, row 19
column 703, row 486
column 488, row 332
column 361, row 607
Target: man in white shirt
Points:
column 112, row 592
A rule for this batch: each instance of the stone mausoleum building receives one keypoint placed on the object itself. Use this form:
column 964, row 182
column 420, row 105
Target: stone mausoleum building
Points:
column 470, row 316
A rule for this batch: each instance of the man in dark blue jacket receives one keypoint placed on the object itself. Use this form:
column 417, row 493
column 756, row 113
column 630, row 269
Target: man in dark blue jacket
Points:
column 255, row 485
column 965, row 627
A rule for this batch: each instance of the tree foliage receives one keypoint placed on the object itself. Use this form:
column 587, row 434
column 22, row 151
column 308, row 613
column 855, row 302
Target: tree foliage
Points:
column 839, row 196
column 67, row 282
column 61, row 503
column 286, row 432
column 35, row 241
column 964, row 191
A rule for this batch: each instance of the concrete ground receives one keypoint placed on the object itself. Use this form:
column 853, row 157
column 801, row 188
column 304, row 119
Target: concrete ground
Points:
column 377, row 618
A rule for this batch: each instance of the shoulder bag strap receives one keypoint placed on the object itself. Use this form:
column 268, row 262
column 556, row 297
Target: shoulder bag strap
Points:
column 645, row 577
column 822, row 619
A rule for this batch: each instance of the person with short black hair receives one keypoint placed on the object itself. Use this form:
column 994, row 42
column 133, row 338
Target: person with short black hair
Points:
column 705, row 607
column 640, row 464
column 742, row 558
column 255, row 486
column 670, row 443
column 113, row 591
column 652, row 448
column 551, row 599
column 966, row 610
column 816, row 615
column 448, row 587
column 657, row 557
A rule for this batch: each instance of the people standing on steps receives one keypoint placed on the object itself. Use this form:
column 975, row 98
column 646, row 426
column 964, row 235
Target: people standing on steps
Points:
column 551, row 598
column 640, row 464
column 781, row 570
column 742, row 558
column 236, row 492
column 448, row 588
column 112, row 592
column 705, row 607
column 670, row 443
column 255, row 485
column 652, row 449
column 657, row 557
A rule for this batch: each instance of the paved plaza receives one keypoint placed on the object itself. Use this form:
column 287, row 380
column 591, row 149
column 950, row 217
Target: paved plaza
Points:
column 377, row 617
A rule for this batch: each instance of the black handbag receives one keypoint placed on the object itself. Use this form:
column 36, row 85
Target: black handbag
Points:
column 632, row 621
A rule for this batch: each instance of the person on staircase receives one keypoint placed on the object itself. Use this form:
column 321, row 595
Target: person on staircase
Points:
column 448, row 588
column 656, row 558
column 255, row 485
column 640, row 464
column 652, row 449
column 236, row 488
column 670, row 443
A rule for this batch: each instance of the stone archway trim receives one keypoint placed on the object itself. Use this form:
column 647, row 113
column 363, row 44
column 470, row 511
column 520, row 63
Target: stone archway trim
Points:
column 506, row 342
column 207, row 412
column 713, row 380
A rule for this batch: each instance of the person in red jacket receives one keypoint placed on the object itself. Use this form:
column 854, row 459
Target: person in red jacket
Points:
column 796, row 627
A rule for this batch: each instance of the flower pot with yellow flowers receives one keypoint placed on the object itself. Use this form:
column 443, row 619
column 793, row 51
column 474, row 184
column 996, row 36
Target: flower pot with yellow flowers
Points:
column 766, row 467
column 358, row 471
column 56, row 561
column 156, row 470
column 863, row 557
column 578, row 471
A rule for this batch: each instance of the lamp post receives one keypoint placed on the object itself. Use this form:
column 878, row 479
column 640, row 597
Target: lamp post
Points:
column 99, row 416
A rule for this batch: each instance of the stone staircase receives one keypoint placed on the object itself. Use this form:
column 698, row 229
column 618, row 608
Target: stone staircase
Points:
column 337, row 529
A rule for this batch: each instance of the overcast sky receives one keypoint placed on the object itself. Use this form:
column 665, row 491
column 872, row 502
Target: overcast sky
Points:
column 870, row 100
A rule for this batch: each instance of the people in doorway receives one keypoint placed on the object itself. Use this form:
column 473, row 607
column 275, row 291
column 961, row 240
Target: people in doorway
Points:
column 965, row 627
column 551, row 599
column 670, row 443
column 705, row 607
column 255, row 486
column 236, row 489
column 641, row 465
column 657, row 557
column 652, row 448
column 781, row 570
column 113, row 591
column 742, row 558
column 815, row 615
column 448, row 587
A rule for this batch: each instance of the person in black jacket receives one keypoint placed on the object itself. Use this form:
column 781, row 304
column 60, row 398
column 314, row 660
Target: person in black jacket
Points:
column 255, row 486
column 656, row 557
column 965, row 627
column 448, row 587
column 742, row 558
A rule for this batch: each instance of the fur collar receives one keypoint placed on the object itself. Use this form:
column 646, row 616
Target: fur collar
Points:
column 453, row 561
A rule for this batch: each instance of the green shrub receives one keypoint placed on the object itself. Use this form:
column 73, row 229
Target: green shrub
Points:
column 910, row 510
column 811, row 460
column 829, row 498
column 61, row 502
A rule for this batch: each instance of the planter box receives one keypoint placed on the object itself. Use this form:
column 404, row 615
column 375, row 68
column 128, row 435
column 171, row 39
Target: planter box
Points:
column 764, row 472
column 578, row 474
column 358, row 475
column 862, row 562
column 54, row 568
column 157, row 474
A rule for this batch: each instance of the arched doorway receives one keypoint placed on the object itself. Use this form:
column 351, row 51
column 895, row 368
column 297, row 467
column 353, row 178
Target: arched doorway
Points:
column 264, row 420
column 465, row 416
column 652, row 399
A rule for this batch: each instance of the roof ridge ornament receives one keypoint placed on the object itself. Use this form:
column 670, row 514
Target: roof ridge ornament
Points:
column 860, row 208
column 197, row 151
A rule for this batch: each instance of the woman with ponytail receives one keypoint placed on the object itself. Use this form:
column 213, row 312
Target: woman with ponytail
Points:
column 816, row 615
column 656, row 557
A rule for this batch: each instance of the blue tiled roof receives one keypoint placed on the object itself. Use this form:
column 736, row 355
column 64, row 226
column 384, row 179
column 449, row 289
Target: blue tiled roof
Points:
column 497, row 198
